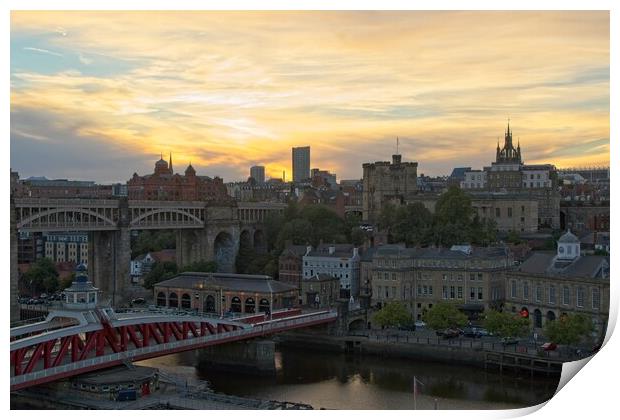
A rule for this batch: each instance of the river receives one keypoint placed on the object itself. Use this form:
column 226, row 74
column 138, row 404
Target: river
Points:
column 338, row 381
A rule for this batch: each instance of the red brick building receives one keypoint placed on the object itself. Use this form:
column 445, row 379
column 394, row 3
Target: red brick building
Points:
column 164, row 184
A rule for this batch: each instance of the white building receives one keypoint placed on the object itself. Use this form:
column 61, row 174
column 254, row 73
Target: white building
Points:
column 341, row 261
column 474, row 180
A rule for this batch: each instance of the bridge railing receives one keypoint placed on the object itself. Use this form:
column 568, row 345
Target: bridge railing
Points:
column 138, row 353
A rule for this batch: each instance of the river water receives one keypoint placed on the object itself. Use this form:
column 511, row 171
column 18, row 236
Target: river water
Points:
column 338, row 381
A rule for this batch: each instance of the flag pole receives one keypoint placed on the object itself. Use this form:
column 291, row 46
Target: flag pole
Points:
column 415, row 394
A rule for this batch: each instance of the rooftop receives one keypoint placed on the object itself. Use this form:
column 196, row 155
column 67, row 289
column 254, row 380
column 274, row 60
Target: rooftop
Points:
column 227, row 281
column 545, row 263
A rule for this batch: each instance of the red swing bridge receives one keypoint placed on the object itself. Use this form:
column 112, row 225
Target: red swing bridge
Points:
column 69, row 343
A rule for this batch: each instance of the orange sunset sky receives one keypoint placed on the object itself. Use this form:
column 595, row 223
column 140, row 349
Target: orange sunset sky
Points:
column 99, row 95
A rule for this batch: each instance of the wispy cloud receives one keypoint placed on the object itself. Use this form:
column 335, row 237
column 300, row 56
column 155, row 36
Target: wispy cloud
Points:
column 227, row 90
column 42, row 51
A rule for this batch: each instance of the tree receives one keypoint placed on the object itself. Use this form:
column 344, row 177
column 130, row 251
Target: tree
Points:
column 202, row 266
column 160, row 272
column 506, row 324
column 358, row 236
column 42, row 276
column 513, row 237
column 65, row 282
column 444, row 315
column 569, row 329
column 392, row 315
column 148, row 241
column 413, row 225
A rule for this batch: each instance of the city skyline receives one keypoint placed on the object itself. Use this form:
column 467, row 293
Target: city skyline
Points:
column 229, row 91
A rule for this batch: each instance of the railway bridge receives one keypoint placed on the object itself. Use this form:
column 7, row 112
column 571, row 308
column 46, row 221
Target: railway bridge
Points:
column 204, row 231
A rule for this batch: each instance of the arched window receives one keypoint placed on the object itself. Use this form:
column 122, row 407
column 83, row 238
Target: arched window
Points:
column 173, row 300
column 250, row 306
column 235, row 304
column 161, row 299
column 186, row 301
column 263, row 305
column 209, row 305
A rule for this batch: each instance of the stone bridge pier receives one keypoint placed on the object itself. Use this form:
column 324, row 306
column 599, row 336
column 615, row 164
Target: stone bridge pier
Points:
column 110, row 255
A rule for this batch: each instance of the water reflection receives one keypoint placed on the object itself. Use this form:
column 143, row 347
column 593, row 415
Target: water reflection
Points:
column 345, row 382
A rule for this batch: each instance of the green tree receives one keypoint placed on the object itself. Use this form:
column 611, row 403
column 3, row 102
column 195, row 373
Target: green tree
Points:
column 358, row 236
column 569, row 329
column 513, row 237
column 202, row 266
column 41, row 277
column 392, row 315
column 444, row 315
column 506, row 324
column 160, row 272
column 413, row 225
column 65, row 282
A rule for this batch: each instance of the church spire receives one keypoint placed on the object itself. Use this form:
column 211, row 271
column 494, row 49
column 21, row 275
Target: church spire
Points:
column 170, row 165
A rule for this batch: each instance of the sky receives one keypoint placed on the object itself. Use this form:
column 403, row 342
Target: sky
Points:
column 99, row 95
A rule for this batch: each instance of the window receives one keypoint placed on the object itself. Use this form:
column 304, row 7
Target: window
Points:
column 460, row 292
column 526, row 290
column 509, row 211
column 480, row 293
column 580, row 297
column 472, row 293
column 387, row 292
column 513, row 289
column 472, row 277
column 552, row 294
column 393, row 276
column 444, row 277
column 452, row 294
column 538, row 293
column 419, row 290
column 393, row 292
column 565, row 296
column 425, row 290
column 459, row 277
column 596, row 298
column 430, row 290
column 378, row 290
column 479, row 276
column 498, row 212
column 445, row 292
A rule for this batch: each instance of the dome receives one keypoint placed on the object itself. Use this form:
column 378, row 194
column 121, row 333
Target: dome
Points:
column 568, row 237
column 161, row 162
column 81, row 275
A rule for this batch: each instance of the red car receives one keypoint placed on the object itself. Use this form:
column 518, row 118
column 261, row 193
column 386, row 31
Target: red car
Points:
column 549, row 346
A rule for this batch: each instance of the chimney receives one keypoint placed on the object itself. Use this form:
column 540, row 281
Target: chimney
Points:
column 355, row 252
column 308, row 249
column 396, row 159
column 332, row 249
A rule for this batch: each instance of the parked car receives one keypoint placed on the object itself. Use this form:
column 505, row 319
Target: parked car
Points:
column 549, row 347
column 420, row 324
column 138, row 301
column 407, row 327
column 484, row 333
column 509, row 340
column 472, row 332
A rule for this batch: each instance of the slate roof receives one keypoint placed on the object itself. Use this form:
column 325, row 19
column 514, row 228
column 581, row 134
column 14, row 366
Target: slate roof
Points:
column 545, row 263
column 227, row 281
column 446, row 253
column 341, row 251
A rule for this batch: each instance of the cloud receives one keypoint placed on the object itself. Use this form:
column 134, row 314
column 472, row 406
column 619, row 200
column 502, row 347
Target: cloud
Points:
column 42, row 51
column 85, row 60
column 227, row 90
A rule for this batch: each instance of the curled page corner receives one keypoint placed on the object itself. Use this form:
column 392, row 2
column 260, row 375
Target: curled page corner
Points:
column 570, row 369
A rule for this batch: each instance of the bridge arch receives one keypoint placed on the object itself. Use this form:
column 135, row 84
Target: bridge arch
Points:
column 245, row 239
column 357, row 325
column 224, row 252
column 146, row 214
column 550, row 316
column 65, row 212
column 260, row 242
